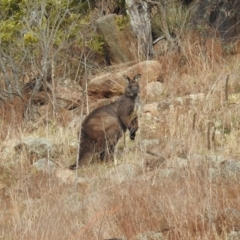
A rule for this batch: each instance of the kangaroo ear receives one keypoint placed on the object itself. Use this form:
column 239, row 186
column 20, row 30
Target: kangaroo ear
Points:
column 126, row 78
column 137, row 77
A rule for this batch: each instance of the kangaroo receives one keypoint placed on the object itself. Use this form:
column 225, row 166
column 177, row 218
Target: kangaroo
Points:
column 104, row 126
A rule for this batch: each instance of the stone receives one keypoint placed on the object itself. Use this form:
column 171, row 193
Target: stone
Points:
column 111, row 84
column 36, row 147
column 120, row 40
column 230, row 169
column 45, row 164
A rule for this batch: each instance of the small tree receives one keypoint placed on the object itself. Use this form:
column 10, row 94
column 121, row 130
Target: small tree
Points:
column 38, row 39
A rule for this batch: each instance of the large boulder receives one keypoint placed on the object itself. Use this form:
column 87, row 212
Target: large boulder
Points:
column 230, row 169
column 45, row 165
column 36, row 148
column 110, row 84
column 119, row 37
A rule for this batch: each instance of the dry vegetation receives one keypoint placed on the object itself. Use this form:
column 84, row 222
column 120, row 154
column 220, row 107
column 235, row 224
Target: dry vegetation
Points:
column 188, row 204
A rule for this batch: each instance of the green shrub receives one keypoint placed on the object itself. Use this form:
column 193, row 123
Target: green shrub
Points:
column 122, row 21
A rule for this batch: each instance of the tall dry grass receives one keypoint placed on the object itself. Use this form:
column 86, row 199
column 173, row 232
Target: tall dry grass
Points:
column 181, row 202
column 39, row 206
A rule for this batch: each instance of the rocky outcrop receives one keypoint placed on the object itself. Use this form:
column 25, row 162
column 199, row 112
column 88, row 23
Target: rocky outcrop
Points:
column 110, row 84
column 45, row 164
column 120, row 40
column 36, row 148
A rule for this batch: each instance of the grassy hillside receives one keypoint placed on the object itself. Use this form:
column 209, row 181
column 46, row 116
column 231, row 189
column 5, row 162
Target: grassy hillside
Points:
column 180, row 178
column 190, row 195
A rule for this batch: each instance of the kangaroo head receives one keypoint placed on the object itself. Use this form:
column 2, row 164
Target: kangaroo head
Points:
column 132, row 89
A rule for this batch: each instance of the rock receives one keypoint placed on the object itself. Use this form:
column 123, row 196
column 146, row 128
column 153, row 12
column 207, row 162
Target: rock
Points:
column 36, row 147
column 230, row 169
column 154, row 91
column 102, row 102
column 45, row 164
column 118, row 67
column 226, row 169
column 119, row 37
column 110, row 84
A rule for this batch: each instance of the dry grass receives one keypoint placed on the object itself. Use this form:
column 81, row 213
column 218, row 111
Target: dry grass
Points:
column 39, row 206
column 188, row 204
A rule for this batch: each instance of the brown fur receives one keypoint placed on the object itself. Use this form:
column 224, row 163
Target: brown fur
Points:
column 104, row 126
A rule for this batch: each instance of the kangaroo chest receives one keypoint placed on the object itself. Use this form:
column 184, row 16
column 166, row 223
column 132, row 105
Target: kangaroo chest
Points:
column 135, row 108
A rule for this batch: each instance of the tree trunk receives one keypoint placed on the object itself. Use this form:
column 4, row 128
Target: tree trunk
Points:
column 139, row 14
